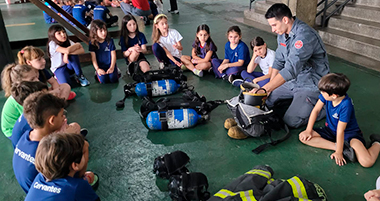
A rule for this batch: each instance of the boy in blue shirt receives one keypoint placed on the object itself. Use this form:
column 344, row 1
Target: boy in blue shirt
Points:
column 20, row 91
column 100, row 13
column 81, row 13
column 44, row 113
column 61, row 172
column 48, row 18
column 341, row 133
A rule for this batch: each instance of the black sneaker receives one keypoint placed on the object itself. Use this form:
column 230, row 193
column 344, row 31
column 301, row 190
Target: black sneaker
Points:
column 84, row 132
column 231, row 78
column 374, row 138
column 349, row 152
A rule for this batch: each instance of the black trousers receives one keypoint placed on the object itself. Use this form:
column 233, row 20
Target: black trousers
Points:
column 173, row 5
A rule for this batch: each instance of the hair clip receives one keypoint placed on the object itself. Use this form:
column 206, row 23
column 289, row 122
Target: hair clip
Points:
column 22, row 51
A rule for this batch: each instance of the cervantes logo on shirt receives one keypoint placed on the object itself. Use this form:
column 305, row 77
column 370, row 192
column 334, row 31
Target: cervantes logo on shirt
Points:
column 298, row 44
column 107, row 49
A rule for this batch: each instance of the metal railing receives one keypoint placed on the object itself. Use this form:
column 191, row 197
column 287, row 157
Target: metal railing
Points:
column 250, row 3
column 338, row 10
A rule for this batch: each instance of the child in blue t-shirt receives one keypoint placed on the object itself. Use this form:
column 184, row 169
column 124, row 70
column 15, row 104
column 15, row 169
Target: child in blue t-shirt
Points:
column 101, row 12
column 341, row 133
column 42, row 124
column 133, row 43
column 20, row 91
column 82, row 13
column 236, row 56
column 64, row 183
column 48, row 18
column 45, row 114
column 68, row 7
column 203, row 55
column 103, row 53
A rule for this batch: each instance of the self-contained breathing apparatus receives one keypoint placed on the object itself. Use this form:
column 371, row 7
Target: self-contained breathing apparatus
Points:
column 160, row 82
column 253, row 116
column 183, row 185
column 177, row 112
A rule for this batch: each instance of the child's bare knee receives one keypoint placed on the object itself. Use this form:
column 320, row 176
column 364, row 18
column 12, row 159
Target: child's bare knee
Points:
column 366, row 162
column 73, row 128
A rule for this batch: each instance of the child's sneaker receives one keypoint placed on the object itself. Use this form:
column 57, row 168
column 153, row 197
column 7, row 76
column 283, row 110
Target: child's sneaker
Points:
column 92, row 178
column 197, row 72
column 84, row 132
column 375, row 138
column 161, row 65
column 237, row 82
column 72, row 95
column 83, row 81
column 349, row 152
column 231, row 78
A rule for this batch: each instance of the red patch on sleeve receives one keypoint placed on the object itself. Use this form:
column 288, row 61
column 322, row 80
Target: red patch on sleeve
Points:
column 283, row 44
column 298, row 44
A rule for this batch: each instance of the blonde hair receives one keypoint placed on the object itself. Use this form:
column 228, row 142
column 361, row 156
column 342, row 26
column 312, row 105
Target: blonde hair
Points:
column 29, row 53
column 13, row 73
column 156, row 34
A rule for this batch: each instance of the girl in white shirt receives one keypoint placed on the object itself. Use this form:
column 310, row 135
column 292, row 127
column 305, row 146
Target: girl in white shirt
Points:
column 63, row 55
column 167, row 45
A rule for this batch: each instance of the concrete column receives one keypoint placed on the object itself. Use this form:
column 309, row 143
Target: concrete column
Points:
column 6, row 56
column 304, row 10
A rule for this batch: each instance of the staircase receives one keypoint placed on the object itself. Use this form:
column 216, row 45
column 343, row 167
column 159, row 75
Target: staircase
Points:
column 353, row 36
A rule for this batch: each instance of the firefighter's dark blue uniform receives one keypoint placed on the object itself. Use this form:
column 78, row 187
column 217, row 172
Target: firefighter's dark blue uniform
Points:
column 301, row 59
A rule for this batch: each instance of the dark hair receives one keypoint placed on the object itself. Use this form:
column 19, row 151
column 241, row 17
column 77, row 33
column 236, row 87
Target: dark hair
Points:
column 39, row 106
column 21, row 90
column 334, row 83
column 56, row 153
column 51, row 37
column 209, row 41
column 124, row 30
column 258, row 41
column 278, row 11
column 234, row 29
column 95, row 26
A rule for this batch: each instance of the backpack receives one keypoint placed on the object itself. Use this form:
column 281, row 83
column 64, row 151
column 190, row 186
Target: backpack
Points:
column 256, row 121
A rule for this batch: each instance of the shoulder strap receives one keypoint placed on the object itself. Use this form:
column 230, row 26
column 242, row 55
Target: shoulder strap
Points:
column 268, row 130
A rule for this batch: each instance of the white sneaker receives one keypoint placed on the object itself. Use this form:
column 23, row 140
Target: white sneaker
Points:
column 197, row 72
column 161, row 65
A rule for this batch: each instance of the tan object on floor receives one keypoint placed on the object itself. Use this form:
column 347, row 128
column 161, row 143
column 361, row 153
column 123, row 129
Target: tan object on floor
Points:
column 229, row 123
column 236, row 133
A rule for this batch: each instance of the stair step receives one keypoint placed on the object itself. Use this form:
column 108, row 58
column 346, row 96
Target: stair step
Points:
column 353, row 58
column 357, row 44
column 372, row 3
column 362, row 12
column 256, row 16
column 355, row 26
column 257, row 25
column 263, row 6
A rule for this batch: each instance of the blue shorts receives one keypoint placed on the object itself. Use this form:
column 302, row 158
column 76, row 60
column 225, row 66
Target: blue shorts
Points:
column 328, row 134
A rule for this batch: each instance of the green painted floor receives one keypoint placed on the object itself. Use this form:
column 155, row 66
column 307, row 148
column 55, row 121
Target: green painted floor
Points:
column 122, row 149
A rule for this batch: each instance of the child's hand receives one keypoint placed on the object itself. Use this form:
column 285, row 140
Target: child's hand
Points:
column 110, row 70
column 89, row 176
column 55, row 92
column 137, row 48
column 100, row 71
column 179, row 64
column 305, row 135
column 222, row 67
column 339, row 160
column 176, row 46
column 194, row 61
column 372, row 194
column 254, row 81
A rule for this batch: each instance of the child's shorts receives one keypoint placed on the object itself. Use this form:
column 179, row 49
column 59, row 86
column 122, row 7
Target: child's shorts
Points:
column 328, row 134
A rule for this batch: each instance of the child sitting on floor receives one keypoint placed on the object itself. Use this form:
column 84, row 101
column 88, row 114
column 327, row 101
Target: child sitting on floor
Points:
column 101, row 12
column 45, row 114
column 103, row 53
column 61, row 172
column 262, row 56
column 236, row 56
column 82, row 13
column 341, row 133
